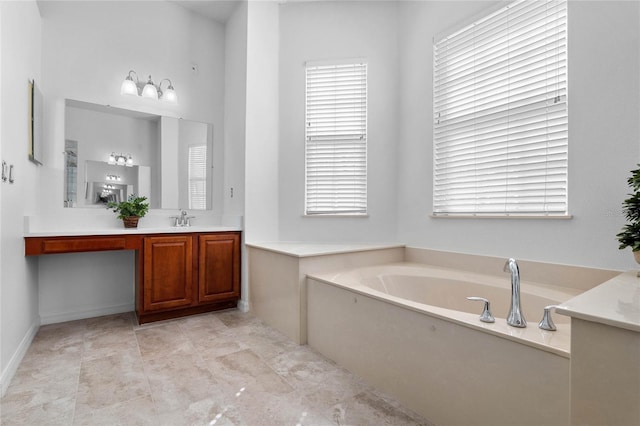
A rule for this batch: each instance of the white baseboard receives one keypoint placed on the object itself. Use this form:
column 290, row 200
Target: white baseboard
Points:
column 14, row 362
column 243, row 305
column 88, row 313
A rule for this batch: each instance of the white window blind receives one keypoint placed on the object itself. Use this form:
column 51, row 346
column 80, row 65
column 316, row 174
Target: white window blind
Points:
column 500, row 114
column 336, row 139
column 197, row 177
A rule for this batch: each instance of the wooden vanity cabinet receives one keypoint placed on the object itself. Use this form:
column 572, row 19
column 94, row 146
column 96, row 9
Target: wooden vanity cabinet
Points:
column 188, row 274
column 168, row 272
column 176, row 274
column 218, row 267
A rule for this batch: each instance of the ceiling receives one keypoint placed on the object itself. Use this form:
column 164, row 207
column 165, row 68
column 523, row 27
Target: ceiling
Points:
column 218, row 10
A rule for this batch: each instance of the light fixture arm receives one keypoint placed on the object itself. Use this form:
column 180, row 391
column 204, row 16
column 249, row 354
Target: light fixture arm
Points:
column 170, row 87
column 136, row 74
column 136, row 82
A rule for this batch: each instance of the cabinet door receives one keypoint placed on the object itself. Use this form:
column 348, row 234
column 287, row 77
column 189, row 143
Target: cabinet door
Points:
column 219, row 267
column 168, row 272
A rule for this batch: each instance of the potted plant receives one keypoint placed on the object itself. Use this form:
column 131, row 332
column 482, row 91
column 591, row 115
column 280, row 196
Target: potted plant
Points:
column 130, row 211
column 630, row 234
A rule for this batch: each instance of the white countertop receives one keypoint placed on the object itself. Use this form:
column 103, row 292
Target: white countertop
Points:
column 80, row 222
column 615, row 302
column 303, row 249
column 132, row 231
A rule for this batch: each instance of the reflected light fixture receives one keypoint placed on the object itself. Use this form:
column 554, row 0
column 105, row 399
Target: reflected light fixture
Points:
column 120, row 160
column 149, row 89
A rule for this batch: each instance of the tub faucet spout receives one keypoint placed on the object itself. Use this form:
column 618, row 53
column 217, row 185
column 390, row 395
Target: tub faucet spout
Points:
column 515, row 317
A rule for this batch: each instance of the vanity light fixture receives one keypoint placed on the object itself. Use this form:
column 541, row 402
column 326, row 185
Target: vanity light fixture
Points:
column 149, row 89
column 120, row 160
column 113, row 178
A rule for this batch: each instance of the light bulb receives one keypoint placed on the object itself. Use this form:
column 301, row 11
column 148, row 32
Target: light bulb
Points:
column 129, row 87
column 149, row 90
column 169, row 95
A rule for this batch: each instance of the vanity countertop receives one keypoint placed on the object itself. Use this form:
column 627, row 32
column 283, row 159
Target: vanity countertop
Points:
column 87, row 222
column 615, row 302
column 131, row 231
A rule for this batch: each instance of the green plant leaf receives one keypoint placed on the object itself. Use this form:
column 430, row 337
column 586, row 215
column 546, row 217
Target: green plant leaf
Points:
column 133, row 206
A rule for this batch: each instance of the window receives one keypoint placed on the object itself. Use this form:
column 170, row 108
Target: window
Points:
column 336, row 139
column 500, row 114
column 198, row 177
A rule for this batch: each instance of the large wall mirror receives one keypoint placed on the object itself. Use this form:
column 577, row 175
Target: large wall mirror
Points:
column 111, row 153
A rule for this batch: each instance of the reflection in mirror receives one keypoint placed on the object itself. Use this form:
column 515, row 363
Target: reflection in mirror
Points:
column 107, row 182
column 70, row 173
column 186, row 158
column 173, row 158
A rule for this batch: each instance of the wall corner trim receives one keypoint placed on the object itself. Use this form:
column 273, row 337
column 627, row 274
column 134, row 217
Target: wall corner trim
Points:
column 12, row 366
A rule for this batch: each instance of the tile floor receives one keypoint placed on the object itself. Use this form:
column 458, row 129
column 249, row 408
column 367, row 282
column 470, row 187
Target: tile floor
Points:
column 224, row 368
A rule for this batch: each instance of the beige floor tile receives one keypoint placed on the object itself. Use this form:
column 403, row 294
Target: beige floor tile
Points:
column 134, row 412
column 262, row 408
column 110, row 380
column 39, row 382
column 210, row 347
column 246, row 370
column 204, row 323
column 265, row 347
column 56, row 412
column 224, row 368
column 337, row 386
column 162, row 340
column 109, row 323
column 370, row 408
column 207, row 411
column 234, row 318
column 179, row 380
column 118, row 341
column 304, row 368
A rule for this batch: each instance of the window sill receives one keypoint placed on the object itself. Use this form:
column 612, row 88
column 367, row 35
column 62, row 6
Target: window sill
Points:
column 500, row 216
column 363, row 215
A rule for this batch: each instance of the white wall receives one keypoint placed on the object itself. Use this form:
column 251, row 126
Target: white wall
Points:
column 20, row 47
column 87, row 50
column 235, row 126
column 235, row 104
column 312, row 31
column 262, row 133
column 604, row 74
column 85, row 285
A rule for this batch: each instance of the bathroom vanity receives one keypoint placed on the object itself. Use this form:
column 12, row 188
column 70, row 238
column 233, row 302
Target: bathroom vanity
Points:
column 177, row 272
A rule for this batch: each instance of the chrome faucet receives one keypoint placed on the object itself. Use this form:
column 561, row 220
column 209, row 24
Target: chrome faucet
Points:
column 183, row 219
column 515, row 317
